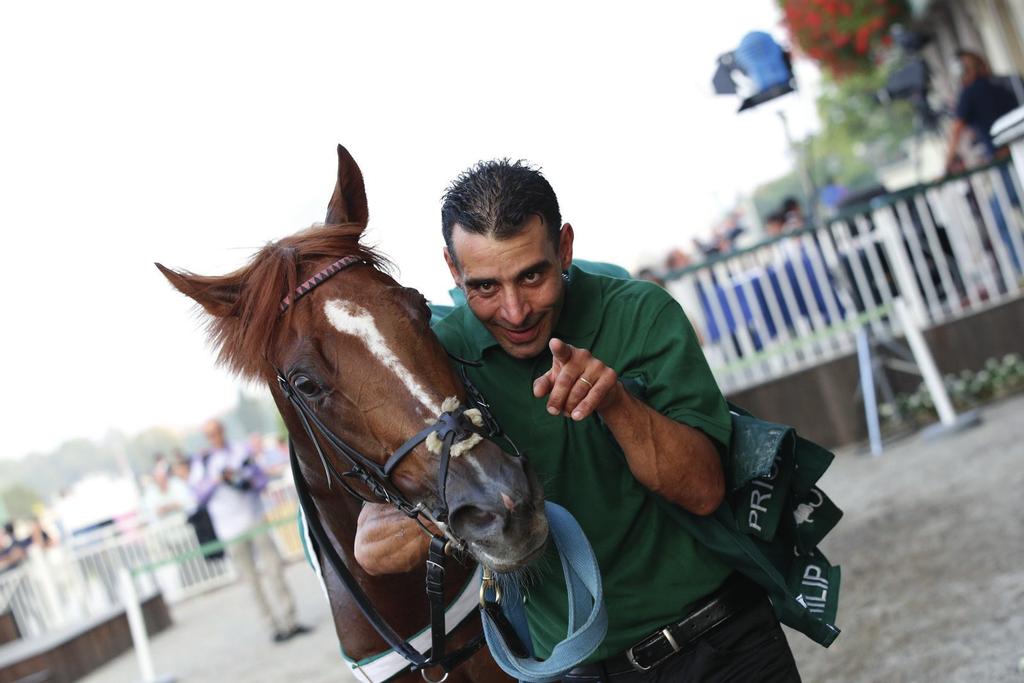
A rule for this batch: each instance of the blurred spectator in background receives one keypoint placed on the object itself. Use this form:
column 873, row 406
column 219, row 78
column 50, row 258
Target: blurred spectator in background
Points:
column 832, row 195
column 167, row 493
column 775, row 223
column 677, row 259
column 731, row 230
column 180, row 466
column 707, row 249
column 648, row 274
column 199, row 516
column 38, row 537
column 281, row 445
column 228, row 482
column 723, row 238
column 981, row 101
column 273, row 460
column 793, row 214
column 12, row 551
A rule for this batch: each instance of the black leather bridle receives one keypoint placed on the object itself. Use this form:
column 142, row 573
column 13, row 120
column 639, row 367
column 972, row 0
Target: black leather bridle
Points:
column 451, row 427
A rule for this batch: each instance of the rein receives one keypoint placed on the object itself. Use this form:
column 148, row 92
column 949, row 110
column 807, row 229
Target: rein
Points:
column 451, row 427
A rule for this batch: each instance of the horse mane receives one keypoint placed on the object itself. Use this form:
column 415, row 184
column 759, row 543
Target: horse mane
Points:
column 247, row 334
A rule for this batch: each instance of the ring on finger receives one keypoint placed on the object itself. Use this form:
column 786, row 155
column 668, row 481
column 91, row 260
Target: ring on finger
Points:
column 586, row 381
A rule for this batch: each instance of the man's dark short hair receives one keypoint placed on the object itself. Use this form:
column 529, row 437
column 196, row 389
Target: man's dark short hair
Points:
column 980, row 63
column 496, row 198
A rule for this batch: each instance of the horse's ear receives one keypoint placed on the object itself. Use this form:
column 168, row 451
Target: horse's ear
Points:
column 217, row 295
column 348, row 204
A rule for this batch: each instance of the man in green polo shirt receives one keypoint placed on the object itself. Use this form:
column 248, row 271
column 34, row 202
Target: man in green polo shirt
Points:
column 558, row 348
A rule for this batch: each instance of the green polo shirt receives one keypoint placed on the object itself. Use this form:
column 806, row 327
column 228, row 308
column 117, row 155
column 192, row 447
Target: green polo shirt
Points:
column 651, row 567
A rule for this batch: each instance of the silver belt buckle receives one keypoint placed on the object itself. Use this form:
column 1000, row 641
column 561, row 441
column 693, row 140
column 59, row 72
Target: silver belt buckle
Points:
column 667, row 635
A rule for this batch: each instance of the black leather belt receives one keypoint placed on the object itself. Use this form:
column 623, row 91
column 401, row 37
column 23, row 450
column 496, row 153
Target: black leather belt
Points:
column 735, row 596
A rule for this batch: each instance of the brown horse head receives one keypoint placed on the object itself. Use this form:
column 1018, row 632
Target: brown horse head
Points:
column 359, row 351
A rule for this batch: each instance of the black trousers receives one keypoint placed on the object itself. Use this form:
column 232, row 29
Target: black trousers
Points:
column 749, row 647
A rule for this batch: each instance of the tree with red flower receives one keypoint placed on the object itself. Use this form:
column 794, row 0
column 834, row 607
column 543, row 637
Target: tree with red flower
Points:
column 840, row 34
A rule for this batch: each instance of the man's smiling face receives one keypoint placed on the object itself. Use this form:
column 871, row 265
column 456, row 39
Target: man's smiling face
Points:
column 514, row 285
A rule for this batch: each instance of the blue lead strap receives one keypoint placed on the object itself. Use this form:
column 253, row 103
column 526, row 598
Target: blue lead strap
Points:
column 588, row 620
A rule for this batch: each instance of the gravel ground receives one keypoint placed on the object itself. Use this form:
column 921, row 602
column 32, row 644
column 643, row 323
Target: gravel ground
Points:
column 219, row 637
column 932, row 551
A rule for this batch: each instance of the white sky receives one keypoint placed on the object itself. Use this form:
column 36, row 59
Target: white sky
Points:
column 190, row 133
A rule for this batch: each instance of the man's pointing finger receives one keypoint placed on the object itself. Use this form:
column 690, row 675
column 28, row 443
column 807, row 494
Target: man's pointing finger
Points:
column 561, row 351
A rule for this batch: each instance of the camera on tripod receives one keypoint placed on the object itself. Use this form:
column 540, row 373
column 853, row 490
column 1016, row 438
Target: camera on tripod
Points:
column 910, row 79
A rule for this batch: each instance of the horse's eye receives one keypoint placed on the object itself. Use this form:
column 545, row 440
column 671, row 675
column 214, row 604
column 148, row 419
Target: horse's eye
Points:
column 306, row 385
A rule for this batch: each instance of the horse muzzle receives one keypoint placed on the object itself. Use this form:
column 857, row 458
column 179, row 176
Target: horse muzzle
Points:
column 496, row 506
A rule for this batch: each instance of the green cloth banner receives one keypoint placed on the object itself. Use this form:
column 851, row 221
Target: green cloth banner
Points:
column 816, row 582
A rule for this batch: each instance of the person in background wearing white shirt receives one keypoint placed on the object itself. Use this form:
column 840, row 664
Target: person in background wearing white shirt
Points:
column 228, row 482
column 167, row 494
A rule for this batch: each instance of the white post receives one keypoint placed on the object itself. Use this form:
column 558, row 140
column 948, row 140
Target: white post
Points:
column 925, row 362
column 892, row 238
column 867, row 387
column 137, row 625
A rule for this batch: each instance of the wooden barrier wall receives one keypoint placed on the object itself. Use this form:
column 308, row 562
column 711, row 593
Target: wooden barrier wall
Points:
column 71, row 654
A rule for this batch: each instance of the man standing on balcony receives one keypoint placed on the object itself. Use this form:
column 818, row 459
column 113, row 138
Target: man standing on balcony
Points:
column 557, row 347
column 981, row 101
column 229, row 482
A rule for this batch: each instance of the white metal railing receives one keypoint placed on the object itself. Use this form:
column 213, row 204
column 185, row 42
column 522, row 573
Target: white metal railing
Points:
column 947, row 249
column 79, row 579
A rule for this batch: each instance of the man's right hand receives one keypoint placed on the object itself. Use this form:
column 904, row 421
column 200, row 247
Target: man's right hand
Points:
column 388, row 541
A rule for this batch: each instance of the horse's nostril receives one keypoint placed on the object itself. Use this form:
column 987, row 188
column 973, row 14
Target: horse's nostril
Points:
column 472, row 522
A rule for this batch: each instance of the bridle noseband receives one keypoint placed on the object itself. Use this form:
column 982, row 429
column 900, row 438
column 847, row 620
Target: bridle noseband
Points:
column 451, row 427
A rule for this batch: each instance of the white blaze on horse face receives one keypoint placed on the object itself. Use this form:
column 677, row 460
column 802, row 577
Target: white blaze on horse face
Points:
column 349, row 318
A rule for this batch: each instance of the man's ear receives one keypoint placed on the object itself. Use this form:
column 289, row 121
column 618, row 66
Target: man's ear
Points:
column 453, row 268
column 565, row 238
